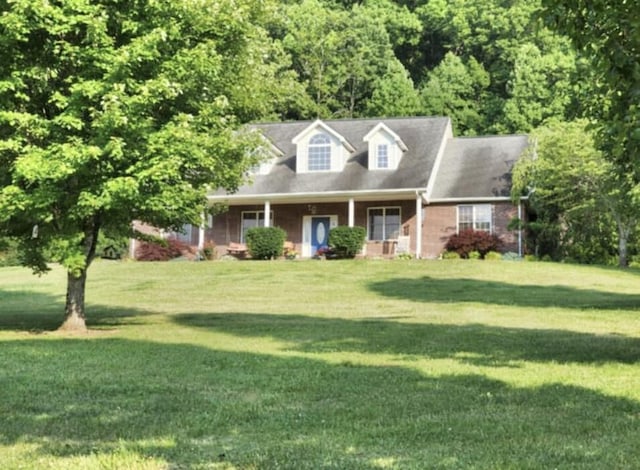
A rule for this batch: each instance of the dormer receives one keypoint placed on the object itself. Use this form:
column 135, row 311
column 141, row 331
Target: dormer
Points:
column 268, row 154
column 320, row 148
column 385, row 148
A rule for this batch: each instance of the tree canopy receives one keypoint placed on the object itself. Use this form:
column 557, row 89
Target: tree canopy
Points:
column 608, row 35
column 116, row 111
column 581, row 211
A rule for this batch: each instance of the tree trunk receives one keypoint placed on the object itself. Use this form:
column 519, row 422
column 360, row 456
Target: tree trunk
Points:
column 623, row 260
column 74, row 308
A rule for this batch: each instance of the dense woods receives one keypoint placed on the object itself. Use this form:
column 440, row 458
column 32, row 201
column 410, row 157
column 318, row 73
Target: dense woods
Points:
column 492, row 66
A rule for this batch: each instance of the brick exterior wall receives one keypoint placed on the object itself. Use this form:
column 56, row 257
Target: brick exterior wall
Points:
column 439, row 223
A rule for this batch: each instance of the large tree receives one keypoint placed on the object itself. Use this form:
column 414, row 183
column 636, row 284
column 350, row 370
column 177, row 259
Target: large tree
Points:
column 608, row 34
column 113, row 111
column 581, row 210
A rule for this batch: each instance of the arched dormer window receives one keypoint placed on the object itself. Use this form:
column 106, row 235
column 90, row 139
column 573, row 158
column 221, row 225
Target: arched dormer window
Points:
column 319, row 152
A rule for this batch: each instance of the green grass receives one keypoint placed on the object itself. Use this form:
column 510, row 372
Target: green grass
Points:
column 323, row 364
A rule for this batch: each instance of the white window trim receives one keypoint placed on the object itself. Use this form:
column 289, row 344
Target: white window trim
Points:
column 384, row 209
column 389, row 158
column 324, row 145
column 474, row 218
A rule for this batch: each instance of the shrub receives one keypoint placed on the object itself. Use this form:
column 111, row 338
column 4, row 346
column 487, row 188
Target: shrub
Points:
column 474, row 255
column 162, row 250
column 511, row 256
column 9, row 254
column 493, row 256
column 345, row 242
column 209, row 250
column 404, row 256
column 450, row 255
column 265, row 242
column 467, row 241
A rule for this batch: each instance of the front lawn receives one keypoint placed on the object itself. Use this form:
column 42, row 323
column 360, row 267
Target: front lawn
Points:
column 323, row 364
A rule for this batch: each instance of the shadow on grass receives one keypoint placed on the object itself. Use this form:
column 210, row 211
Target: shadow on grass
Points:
column 192, row 407
column 428, row 289
column 473, row 343
column 37, row 312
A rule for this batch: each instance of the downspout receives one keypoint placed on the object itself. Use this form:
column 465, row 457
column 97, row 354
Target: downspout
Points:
column 419, row 196
column 520, row 229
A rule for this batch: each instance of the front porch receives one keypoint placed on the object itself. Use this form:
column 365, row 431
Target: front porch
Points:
column 308, row 224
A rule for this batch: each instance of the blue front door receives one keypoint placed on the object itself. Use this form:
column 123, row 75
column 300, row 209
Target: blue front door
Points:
column 319, row 233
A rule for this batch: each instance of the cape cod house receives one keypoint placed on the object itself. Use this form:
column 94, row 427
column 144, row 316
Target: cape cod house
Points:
column 409, row 181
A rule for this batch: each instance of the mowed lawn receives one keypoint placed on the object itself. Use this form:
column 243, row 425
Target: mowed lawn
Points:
column 323, row 365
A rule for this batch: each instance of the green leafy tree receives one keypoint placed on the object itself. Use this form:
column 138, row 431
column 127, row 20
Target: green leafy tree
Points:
column 456, row 90
column 539, row 88
column 338, row 54
column 497, row 36
column 115, row 111
column 607, row 35
column 393, row 94
column 576, row 196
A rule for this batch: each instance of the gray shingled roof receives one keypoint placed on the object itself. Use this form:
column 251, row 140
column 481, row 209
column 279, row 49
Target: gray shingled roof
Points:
column 422, row 136
column 477, row 167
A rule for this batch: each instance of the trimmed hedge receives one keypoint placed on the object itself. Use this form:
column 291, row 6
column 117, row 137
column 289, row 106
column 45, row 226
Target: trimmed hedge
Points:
column 265, row 242
column 346, row 242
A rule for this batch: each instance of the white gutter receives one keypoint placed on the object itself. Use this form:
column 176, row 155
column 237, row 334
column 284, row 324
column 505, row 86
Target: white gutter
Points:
column 408, row 192
column 468, row 199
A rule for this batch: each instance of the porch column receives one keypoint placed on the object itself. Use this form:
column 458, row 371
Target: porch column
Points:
column 352, row 212
column 201, row 232
column 267, row 213
column 418, row 225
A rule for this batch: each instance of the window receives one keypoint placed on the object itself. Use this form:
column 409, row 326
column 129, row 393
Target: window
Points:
column 476, row 217
column 320, row 153
column 383, row 156
column 384, row 223
column 252, row 219
column 184, row 235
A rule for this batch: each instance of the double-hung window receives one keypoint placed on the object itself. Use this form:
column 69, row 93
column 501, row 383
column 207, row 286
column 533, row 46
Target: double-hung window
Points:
column 474, row 217
column 384, row 223
column 319, row 153
column 252, row 219
column 382, row 156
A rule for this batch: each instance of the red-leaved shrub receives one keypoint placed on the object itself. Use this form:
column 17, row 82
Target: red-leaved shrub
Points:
column 163, row 250
column 467, row 241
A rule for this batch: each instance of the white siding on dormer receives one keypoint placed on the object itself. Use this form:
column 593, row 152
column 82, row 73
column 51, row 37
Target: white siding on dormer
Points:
column 264, row 168
column 340, row 147
column 379, row 136
column 338, row 154
column 393, row 152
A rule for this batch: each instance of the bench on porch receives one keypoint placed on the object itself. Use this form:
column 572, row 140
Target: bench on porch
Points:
column 237, row 249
